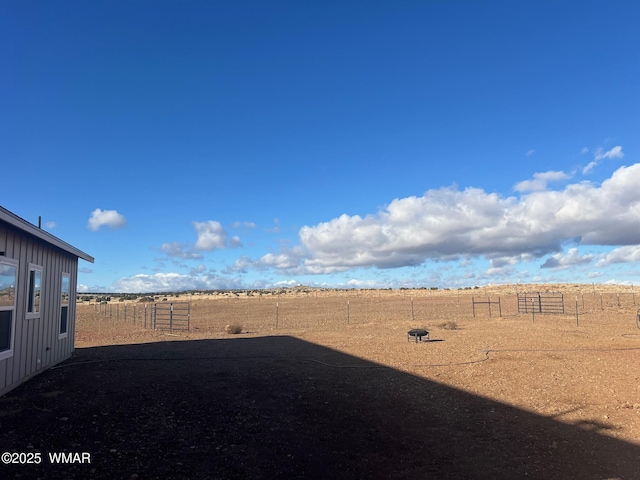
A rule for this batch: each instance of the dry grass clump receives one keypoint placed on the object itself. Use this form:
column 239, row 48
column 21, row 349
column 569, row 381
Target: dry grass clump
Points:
column 233, row 329
column 449, row 325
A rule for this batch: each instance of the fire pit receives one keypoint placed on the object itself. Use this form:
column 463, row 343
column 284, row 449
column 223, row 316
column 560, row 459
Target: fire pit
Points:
column 418, row 333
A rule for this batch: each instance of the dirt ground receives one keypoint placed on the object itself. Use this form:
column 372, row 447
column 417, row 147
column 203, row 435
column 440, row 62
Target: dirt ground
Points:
column 327, row 385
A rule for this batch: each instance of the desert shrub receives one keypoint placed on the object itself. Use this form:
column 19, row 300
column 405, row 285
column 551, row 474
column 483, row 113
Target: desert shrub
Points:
column 449, row 325
column 233, row 329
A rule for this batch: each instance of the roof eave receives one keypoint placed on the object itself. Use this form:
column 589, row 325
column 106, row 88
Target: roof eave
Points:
column 25, row 226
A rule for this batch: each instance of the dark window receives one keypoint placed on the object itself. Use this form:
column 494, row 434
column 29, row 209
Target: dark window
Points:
column 64, row 311
column 6, row 320
column 64, row 305
column 35, row 289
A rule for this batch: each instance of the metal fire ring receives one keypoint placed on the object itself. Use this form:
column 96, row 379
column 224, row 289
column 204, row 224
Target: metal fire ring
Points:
column 418, row 333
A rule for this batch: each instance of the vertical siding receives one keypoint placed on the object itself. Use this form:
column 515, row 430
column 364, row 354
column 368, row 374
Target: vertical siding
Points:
column 4, row 247
column 36, row 343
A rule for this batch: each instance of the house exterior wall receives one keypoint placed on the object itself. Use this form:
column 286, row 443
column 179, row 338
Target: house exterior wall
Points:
column 37, row 343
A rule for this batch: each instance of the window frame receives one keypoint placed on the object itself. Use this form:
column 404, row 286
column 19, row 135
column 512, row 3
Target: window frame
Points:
column 11, row 308
column 31, row 291
column 64, row 306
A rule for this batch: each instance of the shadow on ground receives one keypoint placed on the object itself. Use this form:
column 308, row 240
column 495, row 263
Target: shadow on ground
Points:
column 280, row 407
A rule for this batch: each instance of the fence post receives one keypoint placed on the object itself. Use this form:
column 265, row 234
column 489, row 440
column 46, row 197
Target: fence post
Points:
column 533, row 312
column 577, row 324
column 413, row 318
column 276, row 314
column 539, row 303
column 348, row 312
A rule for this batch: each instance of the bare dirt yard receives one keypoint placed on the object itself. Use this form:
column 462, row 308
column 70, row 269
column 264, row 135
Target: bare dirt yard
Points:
column 326, row 384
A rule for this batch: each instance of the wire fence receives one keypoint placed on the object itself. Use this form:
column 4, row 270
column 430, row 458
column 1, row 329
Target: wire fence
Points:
column 300, row 311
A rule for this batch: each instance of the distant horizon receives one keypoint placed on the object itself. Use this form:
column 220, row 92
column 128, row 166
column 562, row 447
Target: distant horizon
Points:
column 433, row 289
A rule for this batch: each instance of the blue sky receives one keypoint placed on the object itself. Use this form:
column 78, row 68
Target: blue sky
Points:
column 251, row 144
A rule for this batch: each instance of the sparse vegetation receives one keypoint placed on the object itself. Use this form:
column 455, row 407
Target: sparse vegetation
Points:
column 449, row 325
column 233, row 329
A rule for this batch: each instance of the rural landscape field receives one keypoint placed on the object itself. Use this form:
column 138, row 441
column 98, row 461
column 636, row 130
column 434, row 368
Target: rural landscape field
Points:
column 329, row 383
column 582, row 369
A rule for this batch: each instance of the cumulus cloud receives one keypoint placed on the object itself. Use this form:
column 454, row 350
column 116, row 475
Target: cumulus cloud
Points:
column 109, row 218
column 283, row 261
column 173, row 282
column 197, row 270
column 211, row 235
column 600, row 154
column 178, row 250
column 571, row 258
column 628, row 253
column 540, row 181
column 449, row 223
column 242, row 265
column 235, row 242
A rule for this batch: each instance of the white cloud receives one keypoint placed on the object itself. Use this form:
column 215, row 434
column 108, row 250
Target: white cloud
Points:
column 530, row 152
column 354, row 283
column 599, row 155
column 50, row 225
column 540, row 181
column 499, row 272
column 172, row 282
column 615, row 152
column 211, row 235
column 283, row 261
column 449, row 223
column 629, row 253
column 562, row 261
column 199, row 269
column 503, row 262
column 235, row 242
column 242, row 265
column 286, row 283
column 178, row 250
column 109, row 218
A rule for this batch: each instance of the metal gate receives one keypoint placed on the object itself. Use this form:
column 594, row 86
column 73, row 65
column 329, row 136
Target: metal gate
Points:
column 552, row 303
column 171, row 316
